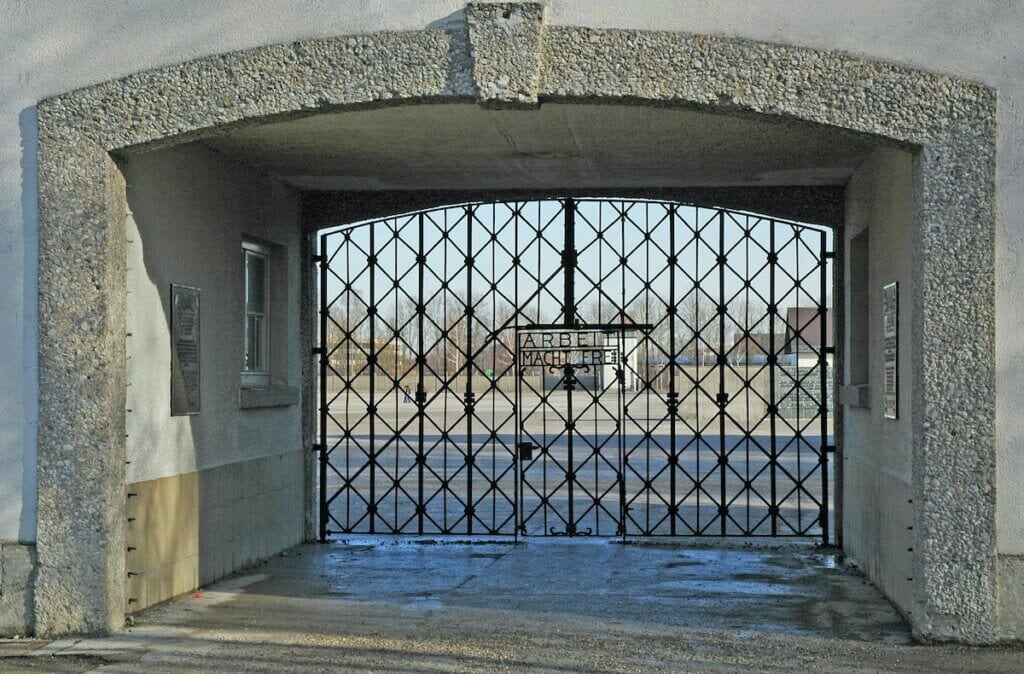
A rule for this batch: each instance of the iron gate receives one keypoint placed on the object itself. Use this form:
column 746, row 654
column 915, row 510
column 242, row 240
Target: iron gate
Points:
column 698, row 404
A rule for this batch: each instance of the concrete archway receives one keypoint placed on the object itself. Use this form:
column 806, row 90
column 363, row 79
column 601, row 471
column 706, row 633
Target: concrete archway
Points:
column 506, row 56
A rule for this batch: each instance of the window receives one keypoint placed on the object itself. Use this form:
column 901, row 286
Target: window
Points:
column 256, row 354
column 858, row 329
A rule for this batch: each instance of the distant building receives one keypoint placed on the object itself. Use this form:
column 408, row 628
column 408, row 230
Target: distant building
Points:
column 753, row 349
column 803, row 340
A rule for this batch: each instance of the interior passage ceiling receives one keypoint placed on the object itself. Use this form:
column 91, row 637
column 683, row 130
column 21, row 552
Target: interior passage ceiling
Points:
column 460, row 146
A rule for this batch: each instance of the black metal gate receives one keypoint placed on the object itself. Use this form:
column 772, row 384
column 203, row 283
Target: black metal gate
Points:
column 575, row 367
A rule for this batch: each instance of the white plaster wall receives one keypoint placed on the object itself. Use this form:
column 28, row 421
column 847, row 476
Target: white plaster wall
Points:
column 47, row 48
column 189, row 210
column 878, row 452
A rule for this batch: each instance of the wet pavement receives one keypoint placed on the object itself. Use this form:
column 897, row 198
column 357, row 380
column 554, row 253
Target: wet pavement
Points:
column 789, row 589
column 390, row 604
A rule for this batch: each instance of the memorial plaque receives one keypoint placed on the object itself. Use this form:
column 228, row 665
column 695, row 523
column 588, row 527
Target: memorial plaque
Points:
column 184, row 350
column 890, row 348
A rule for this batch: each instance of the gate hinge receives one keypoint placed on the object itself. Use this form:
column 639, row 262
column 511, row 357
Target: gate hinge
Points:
column 319, row 258
column 317, row 447
column 831, row 449
column 830, row 255
column 318, row 350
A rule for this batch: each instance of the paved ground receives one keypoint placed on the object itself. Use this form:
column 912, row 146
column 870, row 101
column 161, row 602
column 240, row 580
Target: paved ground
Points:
column 551, row 605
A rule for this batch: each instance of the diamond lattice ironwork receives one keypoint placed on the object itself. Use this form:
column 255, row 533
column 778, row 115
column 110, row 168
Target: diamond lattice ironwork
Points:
column 698, row 403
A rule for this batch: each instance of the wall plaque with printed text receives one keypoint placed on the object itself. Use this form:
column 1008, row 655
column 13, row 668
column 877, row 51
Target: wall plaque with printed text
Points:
column 890, row 349
column 184, row 350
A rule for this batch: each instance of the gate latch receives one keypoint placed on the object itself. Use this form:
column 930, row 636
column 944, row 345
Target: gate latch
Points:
column 525, row 451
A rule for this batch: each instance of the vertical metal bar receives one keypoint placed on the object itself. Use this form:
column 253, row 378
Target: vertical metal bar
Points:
column 798, row 386
column 372, row 268
column 547, row 507
column 621, row 409
column 823, row 369
column 349, row 376
column 673, row 395
column 772, row 366
column 444, row 373
column 697, row 343
column 746, row 384
column 493, row 381
column 517, row 408
column 421, row 395
column 722, row 395
column 569, row 263
column 643, row 350
column 469, row 399
column 569, row 315
column 323, row 387
column 623, row 455
column 395, row 440
column 347, row 527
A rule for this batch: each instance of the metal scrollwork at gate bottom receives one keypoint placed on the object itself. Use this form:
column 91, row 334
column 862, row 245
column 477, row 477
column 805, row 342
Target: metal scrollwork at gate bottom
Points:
column 694, row 400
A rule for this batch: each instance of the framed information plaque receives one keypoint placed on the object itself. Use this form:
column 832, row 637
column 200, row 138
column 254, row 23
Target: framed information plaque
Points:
column 890, row 349
column 184, row 350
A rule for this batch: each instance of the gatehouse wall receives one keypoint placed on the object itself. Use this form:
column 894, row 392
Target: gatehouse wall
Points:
column 63, row 46
column 878, row 521
column 208, row 493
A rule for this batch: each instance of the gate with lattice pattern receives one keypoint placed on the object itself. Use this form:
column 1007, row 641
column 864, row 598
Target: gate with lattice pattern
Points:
column 575, row 366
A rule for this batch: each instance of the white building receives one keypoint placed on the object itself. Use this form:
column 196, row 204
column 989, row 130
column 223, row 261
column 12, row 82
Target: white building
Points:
column 145, row 144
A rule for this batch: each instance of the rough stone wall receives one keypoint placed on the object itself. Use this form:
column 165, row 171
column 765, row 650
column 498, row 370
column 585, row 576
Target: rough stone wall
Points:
column 505, row 46
column 80, row 540
column 17, row 568
column 951, row 120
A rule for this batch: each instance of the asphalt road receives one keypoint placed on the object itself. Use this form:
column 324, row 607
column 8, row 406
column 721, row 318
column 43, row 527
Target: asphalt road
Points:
column 608, row 471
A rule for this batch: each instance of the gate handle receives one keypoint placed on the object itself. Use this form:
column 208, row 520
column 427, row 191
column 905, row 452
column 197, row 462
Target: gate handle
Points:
column 525, row 451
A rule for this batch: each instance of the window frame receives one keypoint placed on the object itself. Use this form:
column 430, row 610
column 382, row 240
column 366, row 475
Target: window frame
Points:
column 260, row 377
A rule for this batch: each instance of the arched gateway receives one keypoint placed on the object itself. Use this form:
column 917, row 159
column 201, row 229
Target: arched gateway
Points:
column 507, row 56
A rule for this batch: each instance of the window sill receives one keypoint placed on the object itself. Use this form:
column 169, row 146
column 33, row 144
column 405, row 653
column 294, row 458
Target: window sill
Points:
column 275, row 395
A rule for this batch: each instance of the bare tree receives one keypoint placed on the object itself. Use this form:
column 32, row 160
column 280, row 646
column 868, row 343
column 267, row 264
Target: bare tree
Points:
column 746, row 315
column 347, row 328
column 698, row 327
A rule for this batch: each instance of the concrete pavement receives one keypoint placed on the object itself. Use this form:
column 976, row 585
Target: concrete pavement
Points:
column 389, row 604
